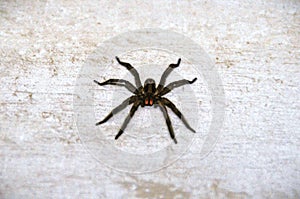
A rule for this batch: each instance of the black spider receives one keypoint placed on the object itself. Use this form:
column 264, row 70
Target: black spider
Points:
column 147, row 95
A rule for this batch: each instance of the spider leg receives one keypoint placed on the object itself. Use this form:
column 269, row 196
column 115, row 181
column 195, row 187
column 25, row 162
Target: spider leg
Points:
column 172, row 106
column 133, row 71
column 175, row 84
column 119, row 82
column 128, row 118
column 168, row 121
column 126, row 102
column 166, row 74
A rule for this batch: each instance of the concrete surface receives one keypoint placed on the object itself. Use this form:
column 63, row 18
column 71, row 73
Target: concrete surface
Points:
column 255, row 45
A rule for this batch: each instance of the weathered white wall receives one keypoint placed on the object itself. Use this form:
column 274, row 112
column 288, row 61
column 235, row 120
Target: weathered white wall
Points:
column 255, row 46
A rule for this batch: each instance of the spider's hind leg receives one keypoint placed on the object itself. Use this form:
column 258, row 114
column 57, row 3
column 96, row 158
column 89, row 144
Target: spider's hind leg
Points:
column 166, row 74
column 175, row 84
column 119, row 82
column 133, row 71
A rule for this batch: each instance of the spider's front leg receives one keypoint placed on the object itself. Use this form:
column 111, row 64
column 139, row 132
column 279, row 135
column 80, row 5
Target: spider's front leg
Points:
column 172, row 106
column 168, row 121
column 128, row 118
column 123, row 105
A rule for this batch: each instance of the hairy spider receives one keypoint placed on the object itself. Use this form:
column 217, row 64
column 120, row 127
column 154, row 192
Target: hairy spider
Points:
column 147, row 95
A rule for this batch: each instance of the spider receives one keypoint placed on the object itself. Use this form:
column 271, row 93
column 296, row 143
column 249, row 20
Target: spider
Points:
column 147, row 95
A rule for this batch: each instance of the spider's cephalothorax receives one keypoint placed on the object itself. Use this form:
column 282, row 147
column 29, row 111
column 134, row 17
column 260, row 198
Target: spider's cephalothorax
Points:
column 147, row 95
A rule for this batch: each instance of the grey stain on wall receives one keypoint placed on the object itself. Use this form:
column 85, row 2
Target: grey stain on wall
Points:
column 148, row 189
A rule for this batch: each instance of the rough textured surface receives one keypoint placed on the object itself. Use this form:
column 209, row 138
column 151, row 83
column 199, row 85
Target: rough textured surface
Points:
column 256, row 49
